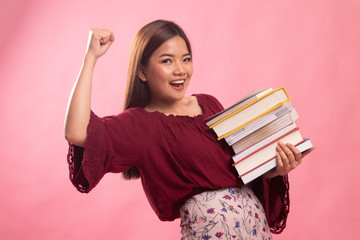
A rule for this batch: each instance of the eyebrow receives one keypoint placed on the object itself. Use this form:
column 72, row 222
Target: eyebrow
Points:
column 171, row 55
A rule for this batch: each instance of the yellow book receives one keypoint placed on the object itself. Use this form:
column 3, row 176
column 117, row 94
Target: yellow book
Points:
column 250, row 112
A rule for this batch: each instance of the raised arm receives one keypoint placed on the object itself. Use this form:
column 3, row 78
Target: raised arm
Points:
column 78, row 110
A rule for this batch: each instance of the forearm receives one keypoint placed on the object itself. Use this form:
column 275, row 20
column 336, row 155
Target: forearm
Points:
column 78, row 111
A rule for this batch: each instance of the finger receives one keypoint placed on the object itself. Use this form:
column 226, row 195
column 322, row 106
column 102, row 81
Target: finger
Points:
column 283, row 157
column 106, row 33
column 280, row 165
column 104, row 40
column 295, row 152
column 98, row 39
column 289, row 154
column 287, row 151
column 107, row 39
column 103, row 35
column 106, row 43
column 112, row 37
column 292, row 162
column 101, row 31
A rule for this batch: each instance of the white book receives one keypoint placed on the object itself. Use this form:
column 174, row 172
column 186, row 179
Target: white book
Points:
column 254, row 160
column 264, row 132
column 250, row 112
column 267, row 166
column 259, row 123
column 243, row 102
column 264, row 142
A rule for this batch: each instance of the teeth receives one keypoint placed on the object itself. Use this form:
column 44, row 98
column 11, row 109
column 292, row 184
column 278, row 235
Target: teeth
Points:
column 178, row 82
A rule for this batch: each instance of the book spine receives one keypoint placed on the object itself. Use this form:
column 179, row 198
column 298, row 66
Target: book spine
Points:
column 262, row 169
column 267, row 166
column 259, row 123
column 263, row 162
column 251, row 103
column 248, row 119
column 266, row 131
column 254, row 160
column 256, row 148
column 237, row 106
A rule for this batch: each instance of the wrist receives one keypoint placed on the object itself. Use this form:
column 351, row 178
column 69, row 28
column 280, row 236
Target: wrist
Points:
column 90, row 59
column 270, row 174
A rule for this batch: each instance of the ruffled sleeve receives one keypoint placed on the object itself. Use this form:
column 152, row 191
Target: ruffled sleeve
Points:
column 108, row 148
column 274, row 196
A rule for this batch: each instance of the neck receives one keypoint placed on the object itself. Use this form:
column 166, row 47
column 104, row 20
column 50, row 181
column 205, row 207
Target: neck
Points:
column 175, row 107
column 187, row 106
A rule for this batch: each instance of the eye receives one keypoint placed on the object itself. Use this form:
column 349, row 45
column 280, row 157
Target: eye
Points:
column 167, row 60
column 188, row 59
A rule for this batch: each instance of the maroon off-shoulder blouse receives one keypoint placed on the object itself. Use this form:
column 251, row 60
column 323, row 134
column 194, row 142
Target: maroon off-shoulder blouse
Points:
column 177, row 156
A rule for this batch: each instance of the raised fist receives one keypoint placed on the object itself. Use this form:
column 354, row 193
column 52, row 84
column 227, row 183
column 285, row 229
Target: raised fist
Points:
column 99, row 41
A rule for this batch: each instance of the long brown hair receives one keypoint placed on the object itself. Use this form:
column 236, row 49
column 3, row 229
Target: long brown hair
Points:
column 146, row 41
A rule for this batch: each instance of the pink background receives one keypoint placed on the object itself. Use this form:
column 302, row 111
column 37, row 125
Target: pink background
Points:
column 311, row 47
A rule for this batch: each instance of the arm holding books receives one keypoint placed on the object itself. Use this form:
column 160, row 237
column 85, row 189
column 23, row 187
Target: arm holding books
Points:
column 78, row 112
column 288, row 157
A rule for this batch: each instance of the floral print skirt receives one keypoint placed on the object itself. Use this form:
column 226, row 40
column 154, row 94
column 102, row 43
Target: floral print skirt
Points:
column 228, row 213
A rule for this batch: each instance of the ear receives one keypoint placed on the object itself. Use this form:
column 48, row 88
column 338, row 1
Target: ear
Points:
column 142, row 75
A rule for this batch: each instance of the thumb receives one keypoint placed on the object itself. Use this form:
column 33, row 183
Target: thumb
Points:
column 108, row 39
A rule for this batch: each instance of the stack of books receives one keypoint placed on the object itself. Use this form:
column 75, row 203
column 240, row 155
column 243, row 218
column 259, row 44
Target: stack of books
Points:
column 253, row 126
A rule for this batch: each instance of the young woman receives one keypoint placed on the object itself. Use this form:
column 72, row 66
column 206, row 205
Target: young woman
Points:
column 161, row 137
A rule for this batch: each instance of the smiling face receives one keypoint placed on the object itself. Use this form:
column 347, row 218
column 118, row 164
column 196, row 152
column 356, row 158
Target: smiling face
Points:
column 168, row 71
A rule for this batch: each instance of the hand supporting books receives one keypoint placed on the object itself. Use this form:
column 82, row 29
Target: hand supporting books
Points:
column 263, row 135
column 288, row 157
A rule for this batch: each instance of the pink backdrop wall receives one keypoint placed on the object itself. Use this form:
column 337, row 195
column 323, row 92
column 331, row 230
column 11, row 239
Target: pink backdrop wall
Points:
column 311, row 47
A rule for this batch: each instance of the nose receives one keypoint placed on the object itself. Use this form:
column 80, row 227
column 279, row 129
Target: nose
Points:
column 179, row 68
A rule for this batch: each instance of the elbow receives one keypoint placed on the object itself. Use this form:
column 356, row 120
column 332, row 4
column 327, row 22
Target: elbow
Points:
column 75, row 139
column 68, row 137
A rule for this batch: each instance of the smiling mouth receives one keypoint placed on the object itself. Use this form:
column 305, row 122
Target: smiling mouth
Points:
column 177, row 83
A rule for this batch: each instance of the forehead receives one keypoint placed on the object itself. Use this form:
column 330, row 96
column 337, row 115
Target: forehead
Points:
column 174, row 45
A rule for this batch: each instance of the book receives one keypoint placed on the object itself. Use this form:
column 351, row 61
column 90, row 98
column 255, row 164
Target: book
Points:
column 266, row 131
column 253, row 127
column 246, row 163
column 258, row 123
column 250, row 112
column 277, row 135
column 243, row 102
column 267, row 166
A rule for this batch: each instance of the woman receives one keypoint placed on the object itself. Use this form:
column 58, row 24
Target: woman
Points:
column 161, row 137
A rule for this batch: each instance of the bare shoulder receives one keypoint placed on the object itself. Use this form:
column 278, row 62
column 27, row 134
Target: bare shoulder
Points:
column 192, row 105
column 190, row 101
